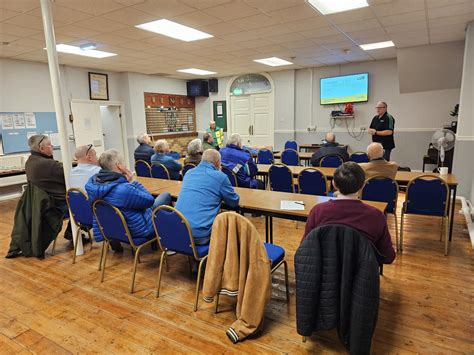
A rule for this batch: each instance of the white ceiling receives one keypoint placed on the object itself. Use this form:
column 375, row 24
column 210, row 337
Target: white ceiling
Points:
column 243, row 30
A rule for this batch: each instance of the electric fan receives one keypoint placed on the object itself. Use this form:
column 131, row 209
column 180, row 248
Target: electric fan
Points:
column 443, row 140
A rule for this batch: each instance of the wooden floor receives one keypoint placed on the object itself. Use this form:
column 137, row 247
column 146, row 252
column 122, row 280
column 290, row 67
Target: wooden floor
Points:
column 51, row 306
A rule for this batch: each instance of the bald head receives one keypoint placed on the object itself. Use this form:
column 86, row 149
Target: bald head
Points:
column 330, row 137
column 212, row 156
column 86, row 154
column 375, row 151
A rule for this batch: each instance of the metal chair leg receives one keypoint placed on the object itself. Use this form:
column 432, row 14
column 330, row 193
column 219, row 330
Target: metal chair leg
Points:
column 304, row 339
column 135, row 264
column 198, row 282
column 105, row 260
column 441, row 229
column 190, row 266
column 160, row 271
column 101, row 255
column 401, row 231
column 216, row 303
column 396, row 230
column 53, row 252
column 287, row 284
column 446, row 235
column 78, row 235
column 90, row 238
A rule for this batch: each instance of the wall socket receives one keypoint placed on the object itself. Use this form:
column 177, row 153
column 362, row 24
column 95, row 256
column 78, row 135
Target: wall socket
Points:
column 363, row 128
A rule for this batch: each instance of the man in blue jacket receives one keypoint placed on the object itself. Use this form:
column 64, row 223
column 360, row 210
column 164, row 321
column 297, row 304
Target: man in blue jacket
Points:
column 144, row 151
column 204, row 188
column 114, row 184
column 162, row 156
column 240, row 162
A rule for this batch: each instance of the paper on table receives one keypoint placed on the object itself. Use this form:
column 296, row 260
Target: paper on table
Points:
column 291, row 205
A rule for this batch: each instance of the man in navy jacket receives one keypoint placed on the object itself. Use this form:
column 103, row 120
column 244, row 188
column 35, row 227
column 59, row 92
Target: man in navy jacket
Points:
column 144, row 151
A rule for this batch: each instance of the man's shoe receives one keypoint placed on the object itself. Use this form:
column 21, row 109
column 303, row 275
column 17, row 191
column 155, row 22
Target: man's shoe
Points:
column 14, row 254
column 116, row 246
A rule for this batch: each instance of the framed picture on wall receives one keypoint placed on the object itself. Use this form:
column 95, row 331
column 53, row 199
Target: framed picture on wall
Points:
column 98, row 86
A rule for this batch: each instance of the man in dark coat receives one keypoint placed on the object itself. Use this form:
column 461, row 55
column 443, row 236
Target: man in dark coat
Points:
column 329, row 147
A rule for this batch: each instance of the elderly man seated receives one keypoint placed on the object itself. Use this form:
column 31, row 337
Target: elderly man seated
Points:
column 87, row 166
column 348, row 210
column 377, row 165
column 329, row 147
column 240, row 162
column 144, row 151
column 207, row 141
column 114, row 184
column 203, row 190
column 162, row 156
column 194, row 152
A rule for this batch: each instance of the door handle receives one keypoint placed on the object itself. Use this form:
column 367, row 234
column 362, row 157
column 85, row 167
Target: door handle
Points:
column 250, row 130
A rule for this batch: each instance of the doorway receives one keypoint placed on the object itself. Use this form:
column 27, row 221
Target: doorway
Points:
column 112, row 128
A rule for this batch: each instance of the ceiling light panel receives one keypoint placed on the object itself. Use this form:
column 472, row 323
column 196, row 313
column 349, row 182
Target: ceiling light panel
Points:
column 327, row 7
column 196, row 71
column 273, row 61
column 174, row 30
column 377, row 45
column 66, row 48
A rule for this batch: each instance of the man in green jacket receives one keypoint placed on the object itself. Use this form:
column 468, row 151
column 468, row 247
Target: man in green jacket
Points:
column 217, row 135
column 207, row 141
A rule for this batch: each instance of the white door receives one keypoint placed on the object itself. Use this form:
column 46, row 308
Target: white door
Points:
column 87, row 125
column 112, row 128
column 252, row 118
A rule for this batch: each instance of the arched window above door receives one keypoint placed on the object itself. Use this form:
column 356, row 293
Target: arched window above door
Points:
column 250, row 84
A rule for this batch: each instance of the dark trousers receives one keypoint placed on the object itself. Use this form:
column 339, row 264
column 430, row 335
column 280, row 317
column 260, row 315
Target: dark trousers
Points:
column 386, row 154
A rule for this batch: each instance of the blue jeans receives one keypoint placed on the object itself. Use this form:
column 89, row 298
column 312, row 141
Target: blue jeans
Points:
column 386, row 154
column 162, row 199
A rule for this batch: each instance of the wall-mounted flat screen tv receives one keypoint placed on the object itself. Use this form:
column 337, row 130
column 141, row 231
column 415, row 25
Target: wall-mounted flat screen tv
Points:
column 345, row 88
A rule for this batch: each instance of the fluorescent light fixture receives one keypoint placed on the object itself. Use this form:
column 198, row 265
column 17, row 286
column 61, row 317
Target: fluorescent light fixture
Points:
column 377, row 45
column 327, row 7
column 174, row 30
column 196, row 71
column 66, row 48
column 273, row 61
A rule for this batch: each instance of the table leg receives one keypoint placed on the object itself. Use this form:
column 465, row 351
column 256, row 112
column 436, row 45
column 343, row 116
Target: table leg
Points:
column 266, row 229
column 451, row 218
column 271, row 230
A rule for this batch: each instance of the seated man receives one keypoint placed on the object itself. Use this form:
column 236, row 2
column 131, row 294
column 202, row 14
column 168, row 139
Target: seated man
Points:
column 377, row 164
column 330, row 147
column 240, row 162
column 203, row 189
column 207, row 141
column 144, row 151
column 348, row 210
column 87, row 166
column 114, row 185
column 194, row 152
column 162, row 156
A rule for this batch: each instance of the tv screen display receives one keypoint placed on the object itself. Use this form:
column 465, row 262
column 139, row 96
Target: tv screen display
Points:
column 197, row 88
column 343, row 89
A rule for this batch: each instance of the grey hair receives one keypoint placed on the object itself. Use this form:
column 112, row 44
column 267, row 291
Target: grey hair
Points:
column 235, row 140
column 110, row 158
column 141, row 137
column 330, row 137
column 211, row 155
column 375, row 150
column 206, row 136
column 212, row 122
column 160, row 144
column 195, row 146
column 34, row 141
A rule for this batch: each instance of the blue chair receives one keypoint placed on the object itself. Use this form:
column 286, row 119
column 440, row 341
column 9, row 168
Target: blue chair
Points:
column 113, row 226
column 80, row 213
column 265, row 156
column 290, row 157
column 359, row 157
column 331, row 161
column 427, row 195
column 383, row 189
column 142, row 168
column 281, row 178
column 188, row 167
column 159, row 171
column 291, row 145
column 174, row 234
column 230, row 175
column 312, row 181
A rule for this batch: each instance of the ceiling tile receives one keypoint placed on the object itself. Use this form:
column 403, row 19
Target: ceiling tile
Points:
column 129, row 16
column 35, row 56
column 28, row 21
column 129, row 2
column 412, row 27
column 28, row 42
column 330, row 39
column 75, row 31
column 458, row 28
column 447, row 37
column 320, row 32
column 62, row 14
column 440, row 3
column 204, row 4
column 6, row 14
column 405, row 40
column 384, row 53
column 19, row 5
column 100, row 24
column 239, row 36
column 274, row 5
column 305, row 43
column 108, row 38
column 398, row 7
column 220, row 29
column 403, row 18
column 196, row 19
column 294, row 13
column 5, row 37
column 92, row 7
column 255, row 43
column 364, row 13
column 164, row 9
column 271, row 31
column 133, row 33
column 360, row 25
column 289, row 37
column 231, row 11
column 452, row 10
column 451, row 20
column 137, row 45
column 308, row 24
column 17, row 31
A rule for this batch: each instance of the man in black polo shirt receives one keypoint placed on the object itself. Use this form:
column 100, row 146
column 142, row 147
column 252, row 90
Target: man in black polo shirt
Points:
column 381, row 129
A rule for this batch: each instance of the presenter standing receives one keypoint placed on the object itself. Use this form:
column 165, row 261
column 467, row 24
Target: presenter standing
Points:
column 381, row 129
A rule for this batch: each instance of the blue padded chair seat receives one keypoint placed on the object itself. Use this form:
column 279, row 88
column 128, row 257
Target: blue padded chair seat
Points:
column 202, row 250
column 275, row 253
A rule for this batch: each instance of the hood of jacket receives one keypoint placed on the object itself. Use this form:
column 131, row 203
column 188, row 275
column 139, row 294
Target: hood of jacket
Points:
column 103, row 183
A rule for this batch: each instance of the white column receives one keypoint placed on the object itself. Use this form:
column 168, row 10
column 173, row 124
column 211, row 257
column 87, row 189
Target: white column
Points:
column 47, row 17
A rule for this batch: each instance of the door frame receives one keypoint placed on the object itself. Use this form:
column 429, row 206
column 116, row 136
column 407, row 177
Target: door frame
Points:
column 122, row 117
column 230, row 127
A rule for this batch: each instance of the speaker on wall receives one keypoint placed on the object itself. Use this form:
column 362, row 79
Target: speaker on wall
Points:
column 213, row 85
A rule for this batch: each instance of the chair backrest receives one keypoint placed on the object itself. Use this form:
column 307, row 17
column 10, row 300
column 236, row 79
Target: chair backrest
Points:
column 331, row 161
column 142, row 168
column 281, row 178
column 173, row 231
column 230, row 175
column 159, row 171
column 81, row 210
column 291, row 145
column 111, row 222
column 359, row 157
column 312, row 181
column 265, row 156
column 428, row 195
column 290, row 157
column 383, row 189
column 187, row 167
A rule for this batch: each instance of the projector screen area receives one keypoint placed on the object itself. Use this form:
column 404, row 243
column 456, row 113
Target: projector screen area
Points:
column 343, row 89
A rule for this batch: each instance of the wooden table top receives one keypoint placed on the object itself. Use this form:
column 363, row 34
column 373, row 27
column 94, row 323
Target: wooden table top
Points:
column 254, row 199
column 402, row 177
column 303, row 155
column 316, row 146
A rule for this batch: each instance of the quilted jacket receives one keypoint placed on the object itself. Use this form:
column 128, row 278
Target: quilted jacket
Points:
column 241, row 163
column 337, row 285
column 132, row 199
